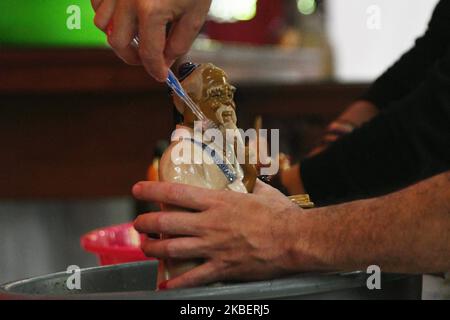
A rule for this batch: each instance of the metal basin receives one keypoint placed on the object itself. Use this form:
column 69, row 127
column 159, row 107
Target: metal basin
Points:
column 138, row 281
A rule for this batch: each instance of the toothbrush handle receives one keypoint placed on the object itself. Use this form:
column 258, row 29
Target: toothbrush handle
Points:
column 175, row 85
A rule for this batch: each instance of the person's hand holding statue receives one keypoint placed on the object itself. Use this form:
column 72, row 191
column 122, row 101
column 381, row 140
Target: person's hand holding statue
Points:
column 239, row 236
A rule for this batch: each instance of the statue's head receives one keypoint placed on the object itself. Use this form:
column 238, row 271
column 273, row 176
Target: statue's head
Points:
column 208, row 87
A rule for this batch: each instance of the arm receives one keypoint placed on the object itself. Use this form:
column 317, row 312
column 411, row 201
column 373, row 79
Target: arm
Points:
column 407, row 231
column 405, row 143
column 265, row 236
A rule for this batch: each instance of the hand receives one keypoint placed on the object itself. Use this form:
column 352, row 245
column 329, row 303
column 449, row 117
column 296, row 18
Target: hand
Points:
column 353, row 117
column 240, row 236
column 359, row 112
column 122, row 20
column 335, row 130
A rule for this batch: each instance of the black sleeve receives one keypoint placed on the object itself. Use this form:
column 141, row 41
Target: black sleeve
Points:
column 405, row 143
column 410, row 70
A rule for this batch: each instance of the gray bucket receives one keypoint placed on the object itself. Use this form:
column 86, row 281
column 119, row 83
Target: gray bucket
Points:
column 138, row 281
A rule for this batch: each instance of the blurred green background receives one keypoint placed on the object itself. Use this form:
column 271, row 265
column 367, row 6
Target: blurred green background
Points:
column 43, row 23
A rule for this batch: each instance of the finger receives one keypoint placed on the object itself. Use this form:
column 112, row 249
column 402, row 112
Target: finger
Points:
column 181, row 195
column 123, row 32
column 266, row 191
column 182, row 35
column 175, row 248
column 329, row 138
column 341, row 127
column 152, row 33
column 104, row 14
column 316, row 151
column 260, row 186
column 173, row 223
column 96, row 3
column 202, row 275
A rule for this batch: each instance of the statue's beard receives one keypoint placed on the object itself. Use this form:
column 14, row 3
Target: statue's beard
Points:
column 226, row 117
column 227, row 121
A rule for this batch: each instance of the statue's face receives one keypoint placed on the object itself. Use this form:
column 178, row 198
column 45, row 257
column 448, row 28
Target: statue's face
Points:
column 216, row 99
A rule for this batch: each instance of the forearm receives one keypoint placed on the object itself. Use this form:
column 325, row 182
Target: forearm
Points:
column 359, row 112
column 407, row 231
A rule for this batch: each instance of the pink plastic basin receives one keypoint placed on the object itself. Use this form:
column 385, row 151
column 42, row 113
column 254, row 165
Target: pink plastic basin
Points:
column 115, row 244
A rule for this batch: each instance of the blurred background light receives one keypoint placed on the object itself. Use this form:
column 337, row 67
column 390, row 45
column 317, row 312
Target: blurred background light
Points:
column 306, row 7
column 233, row 10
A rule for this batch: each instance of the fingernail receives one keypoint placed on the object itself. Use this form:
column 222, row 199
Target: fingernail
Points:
column 109, row 29
column 160, row 78
column 137, row 188
column 163, row 285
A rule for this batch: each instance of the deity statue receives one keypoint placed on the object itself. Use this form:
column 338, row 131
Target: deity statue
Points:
column 205, row 157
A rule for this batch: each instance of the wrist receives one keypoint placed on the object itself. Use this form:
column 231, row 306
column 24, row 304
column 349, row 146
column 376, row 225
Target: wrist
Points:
column 310, row 248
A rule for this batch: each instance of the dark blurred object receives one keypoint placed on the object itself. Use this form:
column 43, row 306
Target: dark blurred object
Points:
column 298, row 136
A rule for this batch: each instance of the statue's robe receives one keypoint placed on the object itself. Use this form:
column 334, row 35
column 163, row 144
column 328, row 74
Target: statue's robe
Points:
column 179, row 167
